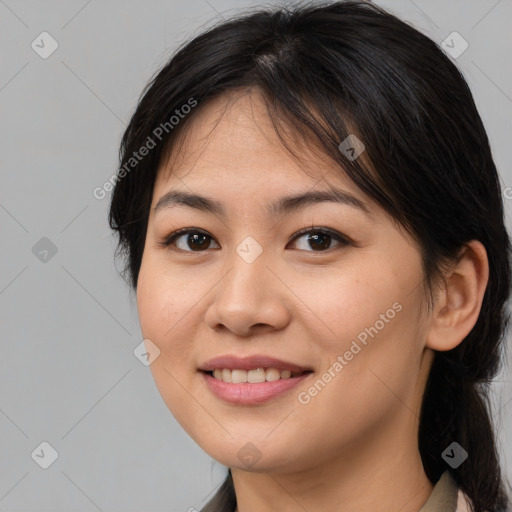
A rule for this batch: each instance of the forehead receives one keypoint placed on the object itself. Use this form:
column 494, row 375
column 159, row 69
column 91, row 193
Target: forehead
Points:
column 231, row 144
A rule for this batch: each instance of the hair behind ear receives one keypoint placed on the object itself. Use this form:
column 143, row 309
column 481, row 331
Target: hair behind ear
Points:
column 224, row 499
column 456, row 409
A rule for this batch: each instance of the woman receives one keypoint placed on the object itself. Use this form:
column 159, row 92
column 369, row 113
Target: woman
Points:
column 313, row 225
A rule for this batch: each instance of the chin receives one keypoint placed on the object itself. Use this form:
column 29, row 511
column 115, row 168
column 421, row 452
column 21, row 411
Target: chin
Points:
column 249, row 454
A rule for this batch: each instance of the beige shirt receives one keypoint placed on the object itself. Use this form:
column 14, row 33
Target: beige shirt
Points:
column 446, row 497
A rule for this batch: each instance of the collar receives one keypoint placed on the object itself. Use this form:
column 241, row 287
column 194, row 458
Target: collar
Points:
column 443, row 497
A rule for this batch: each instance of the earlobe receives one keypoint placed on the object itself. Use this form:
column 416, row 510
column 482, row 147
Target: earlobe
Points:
column 459, row 301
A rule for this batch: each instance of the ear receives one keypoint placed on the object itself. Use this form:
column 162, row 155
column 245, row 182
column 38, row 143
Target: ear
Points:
column 459, row 302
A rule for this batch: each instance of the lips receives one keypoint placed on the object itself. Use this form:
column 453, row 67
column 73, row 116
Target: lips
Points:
column 251, row 363
column 244, row 383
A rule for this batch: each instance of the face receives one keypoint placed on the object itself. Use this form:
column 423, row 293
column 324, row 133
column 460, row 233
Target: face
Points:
column 328, row 290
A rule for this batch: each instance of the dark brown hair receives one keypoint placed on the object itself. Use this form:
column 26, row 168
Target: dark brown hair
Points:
column 323, row 69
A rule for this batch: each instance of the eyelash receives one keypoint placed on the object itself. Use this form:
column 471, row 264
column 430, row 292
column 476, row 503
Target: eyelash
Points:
column 342, row 240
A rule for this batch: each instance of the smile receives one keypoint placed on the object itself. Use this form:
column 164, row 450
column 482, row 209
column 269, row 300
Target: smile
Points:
column 255, row 376
column 251, row 380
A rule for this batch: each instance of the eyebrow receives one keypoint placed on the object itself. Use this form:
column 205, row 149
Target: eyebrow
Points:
column 283, row 205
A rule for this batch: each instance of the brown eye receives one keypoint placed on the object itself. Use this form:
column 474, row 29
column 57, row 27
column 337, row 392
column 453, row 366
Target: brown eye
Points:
column 320, row 240
column 190, row 240
column 194, row 240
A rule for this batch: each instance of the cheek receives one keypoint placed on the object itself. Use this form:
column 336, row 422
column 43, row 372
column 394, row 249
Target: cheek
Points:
column 349, row 402
column 341, row 304
column 374, row 337
column 165, row 309
column 373, row 366
column 165, row 304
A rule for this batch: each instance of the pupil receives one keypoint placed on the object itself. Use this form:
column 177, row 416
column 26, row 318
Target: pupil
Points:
column 195, row 237
column 315, row 237
column 318, row 240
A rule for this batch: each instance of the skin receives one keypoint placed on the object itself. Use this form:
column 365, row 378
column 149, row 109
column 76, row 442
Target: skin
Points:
column 353, row 447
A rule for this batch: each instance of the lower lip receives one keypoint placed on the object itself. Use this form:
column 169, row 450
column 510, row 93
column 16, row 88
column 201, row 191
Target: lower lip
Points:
column 246, row 393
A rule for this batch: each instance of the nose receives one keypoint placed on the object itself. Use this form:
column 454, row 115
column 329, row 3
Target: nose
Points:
column 249, row 299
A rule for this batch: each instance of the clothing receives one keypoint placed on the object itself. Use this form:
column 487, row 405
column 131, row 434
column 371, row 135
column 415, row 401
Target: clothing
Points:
column 446, row 497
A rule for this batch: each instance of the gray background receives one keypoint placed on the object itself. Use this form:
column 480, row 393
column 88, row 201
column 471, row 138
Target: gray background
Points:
column 68, row 375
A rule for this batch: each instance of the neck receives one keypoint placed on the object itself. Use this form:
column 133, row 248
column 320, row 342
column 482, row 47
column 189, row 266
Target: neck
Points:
column 381, row 472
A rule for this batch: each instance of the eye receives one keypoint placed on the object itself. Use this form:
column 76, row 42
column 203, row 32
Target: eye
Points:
column 196, row 240
column 319, row 239
column 187, row 237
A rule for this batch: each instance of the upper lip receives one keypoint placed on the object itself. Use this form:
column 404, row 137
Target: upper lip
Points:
column 249, row 363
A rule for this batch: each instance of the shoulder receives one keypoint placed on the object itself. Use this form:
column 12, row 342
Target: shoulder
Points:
column 463, row 502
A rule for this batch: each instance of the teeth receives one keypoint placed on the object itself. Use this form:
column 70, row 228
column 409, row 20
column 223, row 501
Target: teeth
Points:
column 252, row 376
column 272, row 374
column 255, row 376
column 238, row 376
